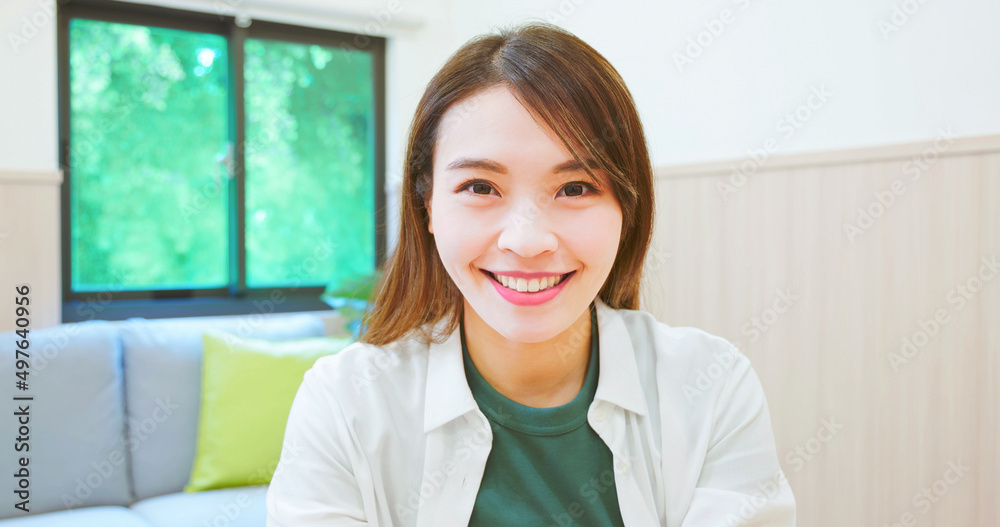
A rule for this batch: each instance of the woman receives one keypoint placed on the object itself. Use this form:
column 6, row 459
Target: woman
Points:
column 505, row 375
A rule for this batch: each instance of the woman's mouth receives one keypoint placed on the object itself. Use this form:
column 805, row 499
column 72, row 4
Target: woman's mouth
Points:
column 528, row 285
column 529, row 291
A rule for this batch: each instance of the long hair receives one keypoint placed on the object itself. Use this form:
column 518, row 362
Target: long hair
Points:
column 567, row 84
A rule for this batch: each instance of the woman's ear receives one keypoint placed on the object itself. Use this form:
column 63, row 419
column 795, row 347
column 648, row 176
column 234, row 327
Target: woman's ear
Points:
column 430, row 221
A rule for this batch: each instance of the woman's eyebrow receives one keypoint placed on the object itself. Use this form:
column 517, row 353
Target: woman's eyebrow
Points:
column 488, row 164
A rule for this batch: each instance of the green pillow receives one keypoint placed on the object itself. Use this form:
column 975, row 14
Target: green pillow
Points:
column 247, row 389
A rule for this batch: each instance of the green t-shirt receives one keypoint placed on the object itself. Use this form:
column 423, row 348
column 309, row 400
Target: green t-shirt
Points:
column 547, row 466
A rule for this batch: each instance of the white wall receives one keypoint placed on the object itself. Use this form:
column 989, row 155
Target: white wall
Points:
column 28, row 133
column 940, row 68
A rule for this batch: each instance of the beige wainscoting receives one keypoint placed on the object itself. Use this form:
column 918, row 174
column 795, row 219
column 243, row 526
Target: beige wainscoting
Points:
column 823, row 297
column 29, row 245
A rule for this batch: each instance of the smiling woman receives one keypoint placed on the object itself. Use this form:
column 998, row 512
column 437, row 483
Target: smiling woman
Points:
column 505, row 374
column 527, row 229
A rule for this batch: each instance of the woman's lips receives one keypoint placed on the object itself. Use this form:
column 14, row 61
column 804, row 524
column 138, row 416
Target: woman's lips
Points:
column 529, row 299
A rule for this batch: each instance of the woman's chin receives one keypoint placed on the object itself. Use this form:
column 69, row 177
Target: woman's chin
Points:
column 531, row 331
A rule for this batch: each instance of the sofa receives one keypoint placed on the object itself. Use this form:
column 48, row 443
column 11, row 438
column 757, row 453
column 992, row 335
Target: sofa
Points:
column 113, row 423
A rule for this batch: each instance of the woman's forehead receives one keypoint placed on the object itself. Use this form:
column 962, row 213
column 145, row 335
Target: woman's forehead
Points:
column 496, row 124
column 494, row 110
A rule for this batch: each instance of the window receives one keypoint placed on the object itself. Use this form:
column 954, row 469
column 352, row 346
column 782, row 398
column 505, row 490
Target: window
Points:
column 210, row 167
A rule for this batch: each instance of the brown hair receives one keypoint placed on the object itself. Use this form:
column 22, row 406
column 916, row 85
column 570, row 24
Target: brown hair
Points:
column 571, row 87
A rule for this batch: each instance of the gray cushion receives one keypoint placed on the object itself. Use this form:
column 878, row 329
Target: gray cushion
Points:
column 77, row 455
column 163, row 388
column 85, row 517
column 237, row 507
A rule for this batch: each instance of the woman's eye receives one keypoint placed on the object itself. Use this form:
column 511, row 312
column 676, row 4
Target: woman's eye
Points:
column 577, row 188
column 478, row 187
column 481, row 188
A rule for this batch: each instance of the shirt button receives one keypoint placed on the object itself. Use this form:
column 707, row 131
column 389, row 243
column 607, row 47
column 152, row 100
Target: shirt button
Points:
column 624, row 467
column 601, row 414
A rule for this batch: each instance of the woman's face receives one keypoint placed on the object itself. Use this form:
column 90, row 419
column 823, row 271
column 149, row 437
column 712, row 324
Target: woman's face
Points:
column 508, row 200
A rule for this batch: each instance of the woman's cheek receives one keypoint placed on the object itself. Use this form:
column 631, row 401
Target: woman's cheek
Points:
column 604, row 221
column 603, row 234
column 455, row 234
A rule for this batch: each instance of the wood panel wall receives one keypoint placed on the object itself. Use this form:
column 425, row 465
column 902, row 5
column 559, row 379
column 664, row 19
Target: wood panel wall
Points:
column 870, row 430
column 29, row 245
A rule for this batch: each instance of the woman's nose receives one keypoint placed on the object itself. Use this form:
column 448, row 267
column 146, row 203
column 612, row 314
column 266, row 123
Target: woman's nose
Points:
column 528, row 230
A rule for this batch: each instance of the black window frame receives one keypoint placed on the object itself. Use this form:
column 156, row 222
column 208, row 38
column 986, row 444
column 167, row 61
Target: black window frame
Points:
column 238, row 299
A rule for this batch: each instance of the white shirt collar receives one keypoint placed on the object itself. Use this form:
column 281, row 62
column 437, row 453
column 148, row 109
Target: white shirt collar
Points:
column 448, row 395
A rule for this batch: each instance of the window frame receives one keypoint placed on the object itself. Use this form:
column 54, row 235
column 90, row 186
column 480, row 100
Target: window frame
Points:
column 238, row 299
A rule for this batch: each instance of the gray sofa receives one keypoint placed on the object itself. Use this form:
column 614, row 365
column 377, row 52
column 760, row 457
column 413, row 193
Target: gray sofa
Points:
column 113, row 423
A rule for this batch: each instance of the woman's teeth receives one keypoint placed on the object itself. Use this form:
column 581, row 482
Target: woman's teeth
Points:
column 528, row 285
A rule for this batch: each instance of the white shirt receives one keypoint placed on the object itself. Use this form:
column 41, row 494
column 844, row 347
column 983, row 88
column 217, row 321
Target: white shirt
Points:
column 391, row 436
